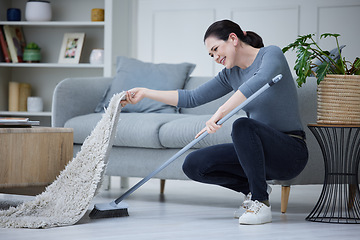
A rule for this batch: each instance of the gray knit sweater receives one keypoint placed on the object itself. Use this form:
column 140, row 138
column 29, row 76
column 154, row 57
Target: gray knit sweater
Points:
column 277, row 107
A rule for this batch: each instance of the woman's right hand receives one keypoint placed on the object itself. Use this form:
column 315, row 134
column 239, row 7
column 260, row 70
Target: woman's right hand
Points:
column 133, row 96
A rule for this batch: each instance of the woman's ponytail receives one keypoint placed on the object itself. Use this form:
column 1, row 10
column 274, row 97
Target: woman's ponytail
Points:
column 253, row 39
column 222, row 29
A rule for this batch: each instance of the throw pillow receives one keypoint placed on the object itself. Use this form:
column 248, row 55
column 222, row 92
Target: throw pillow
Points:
column 132, row 73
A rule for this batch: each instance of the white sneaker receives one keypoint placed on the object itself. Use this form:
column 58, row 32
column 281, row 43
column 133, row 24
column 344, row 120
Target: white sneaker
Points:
column 244, row 206
column 258, row 213
column 247, row 203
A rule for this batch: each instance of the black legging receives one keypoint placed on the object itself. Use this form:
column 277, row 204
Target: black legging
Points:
column 258, row 153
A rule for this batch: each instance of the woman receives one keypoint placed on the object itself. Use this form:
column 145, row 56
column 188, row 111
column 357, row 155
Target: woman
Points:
column 269, row 144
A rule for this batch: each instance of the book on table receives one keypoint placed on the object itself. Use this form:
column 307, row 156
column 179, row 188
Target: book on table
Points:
column 17, row 122
column 13, row 120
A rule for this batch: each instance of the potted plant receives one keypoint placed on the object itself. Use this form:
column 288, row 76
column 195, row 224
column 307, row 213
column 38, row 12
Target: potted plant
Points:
column 338, row 79
column 32, row 53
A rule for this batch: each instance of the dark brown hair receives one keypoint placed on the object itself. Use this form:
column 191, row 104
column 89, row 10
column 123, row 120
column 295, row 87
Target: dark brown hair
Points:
column 222, row 29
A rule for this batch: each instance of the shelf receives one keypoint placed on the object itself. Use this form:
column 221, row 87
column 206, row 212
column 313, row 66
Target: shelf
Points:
column 29, row 114
column 69, row 16
column 52, row 65
column 55, row 23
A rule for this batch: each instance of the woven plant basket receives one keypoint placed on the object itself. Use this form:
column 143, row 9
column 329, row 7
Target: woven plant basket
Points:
column 339, row 100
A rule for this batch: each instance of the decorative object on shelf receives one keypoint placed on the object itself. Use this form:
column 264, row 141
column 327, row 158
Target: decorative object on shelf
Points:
column 18, row 95
column 71, row 47
column 32, row 53
column 38, row 11
column 34, row 104
column 97, row 14
column 97, row 56
column 13, row 14
column 24, row 93
column 338, row 79
column 16, row 42
column 14, row 91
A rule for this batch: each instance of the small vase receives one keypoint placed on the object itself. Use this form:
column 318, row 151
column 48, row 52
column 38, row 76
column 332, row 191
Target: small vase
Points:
column 14, row 14
column 97, row 14
column 97, row 56
column 38, row 11
column 35, row 104
column 32, row 55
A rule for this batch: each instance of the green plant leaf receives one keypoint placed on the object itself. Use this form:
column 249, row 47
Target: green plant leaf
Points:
column 312, row 60
column 303, row 64
column 321, row 71
column 355, row 67
column 325, row 35
column 32, row 45
column 299, row 42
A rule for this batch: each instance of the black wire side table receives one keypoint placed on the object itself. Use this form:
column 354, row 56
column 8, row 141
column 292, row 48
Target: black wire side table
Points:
column 339, row 201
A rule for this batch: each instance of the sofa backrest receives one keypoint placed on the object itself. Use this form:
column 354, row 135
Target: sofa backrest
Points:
column 208, row 108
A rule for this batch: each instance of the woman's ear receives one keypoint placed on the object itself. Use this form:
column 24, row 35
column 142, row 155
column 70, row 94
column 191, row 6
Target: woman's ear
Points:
column 233, row 37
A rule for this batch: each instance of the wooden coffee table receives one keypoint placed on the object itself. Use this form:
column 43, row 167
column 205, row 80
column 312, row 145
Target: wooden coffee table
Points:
column 33, row 156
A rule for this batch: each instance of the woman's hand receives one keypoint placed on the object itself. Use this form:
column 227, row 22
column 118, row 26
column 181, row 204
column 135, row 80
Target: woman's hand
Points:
column 211, row 124
column 133, row 96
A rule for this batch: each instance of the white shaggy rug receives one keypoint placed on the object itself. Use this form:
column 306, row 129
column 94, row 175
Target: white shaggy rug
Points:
column 67, row 199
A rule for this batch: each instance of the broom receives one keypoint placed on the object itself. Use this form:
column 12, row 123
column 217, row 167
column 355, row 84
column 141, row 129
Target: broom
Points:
column 117, row 208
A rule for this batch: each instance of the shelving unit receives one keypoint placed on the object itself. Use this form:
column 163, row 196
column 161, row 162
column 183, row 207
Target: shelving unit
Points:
column 56, row 23
column 68, row 16
column 51, row 65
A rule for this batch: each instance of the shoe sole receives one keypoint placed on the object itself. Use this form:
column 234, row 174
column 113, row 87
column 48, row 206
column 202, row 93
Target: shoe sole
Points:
column 256, row 223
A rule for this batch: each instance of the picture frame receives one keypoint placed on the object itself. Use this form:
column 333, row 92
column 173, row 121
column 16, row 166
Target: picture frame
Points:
column 71, row 47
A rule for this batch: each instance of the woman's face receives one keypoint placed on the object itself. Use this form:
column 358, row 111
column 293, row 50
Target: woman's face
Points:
column 222, row 51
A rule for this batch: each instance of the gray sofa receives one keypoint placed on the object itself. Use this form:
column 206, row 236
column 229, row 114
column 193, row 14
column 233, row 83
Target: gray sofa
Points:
column 145, row 140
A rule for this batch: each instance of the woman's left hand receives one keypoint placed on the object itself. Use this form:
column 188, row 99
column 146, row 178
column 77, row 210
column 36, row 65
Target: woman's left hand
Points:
column 211, row 124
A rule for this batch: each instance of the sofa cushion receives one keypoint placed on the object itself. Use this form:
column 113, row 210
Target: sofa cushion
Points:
column 82, row 126
column 134, row 129
column 178, row 133
column 132, row 73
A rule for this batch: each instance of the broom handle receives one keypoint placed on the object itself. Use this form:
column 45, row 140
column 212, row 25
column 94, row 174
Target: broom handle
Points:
column 196, row 140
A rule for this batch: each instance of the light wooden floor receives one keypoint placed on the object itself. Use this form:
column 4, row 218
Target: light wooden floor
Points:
column 189, row 210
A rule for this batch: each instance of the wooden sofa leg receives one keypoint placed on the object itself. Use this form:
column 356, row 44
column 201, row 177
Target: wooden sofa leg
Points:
column 162, row 186
column 285, row 192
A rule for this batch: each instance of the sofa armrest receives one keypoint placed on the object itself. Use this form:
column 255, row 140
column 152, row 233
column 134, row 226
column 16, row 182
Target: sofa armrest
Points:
column 77, row 96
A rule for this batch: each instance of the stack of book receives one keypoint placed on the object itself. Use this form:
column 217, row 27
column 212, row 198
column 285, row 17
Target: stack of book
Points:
column 12, row 42
column 17, row 122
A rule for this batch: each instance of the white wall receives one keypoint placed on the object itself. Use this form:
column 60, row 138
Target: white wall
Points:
column 172, row 30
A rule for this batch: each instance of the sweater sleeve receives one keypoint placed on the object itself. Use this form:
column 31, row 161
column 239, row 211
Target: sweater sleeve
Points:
column 271, row 64
column 207, row 92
